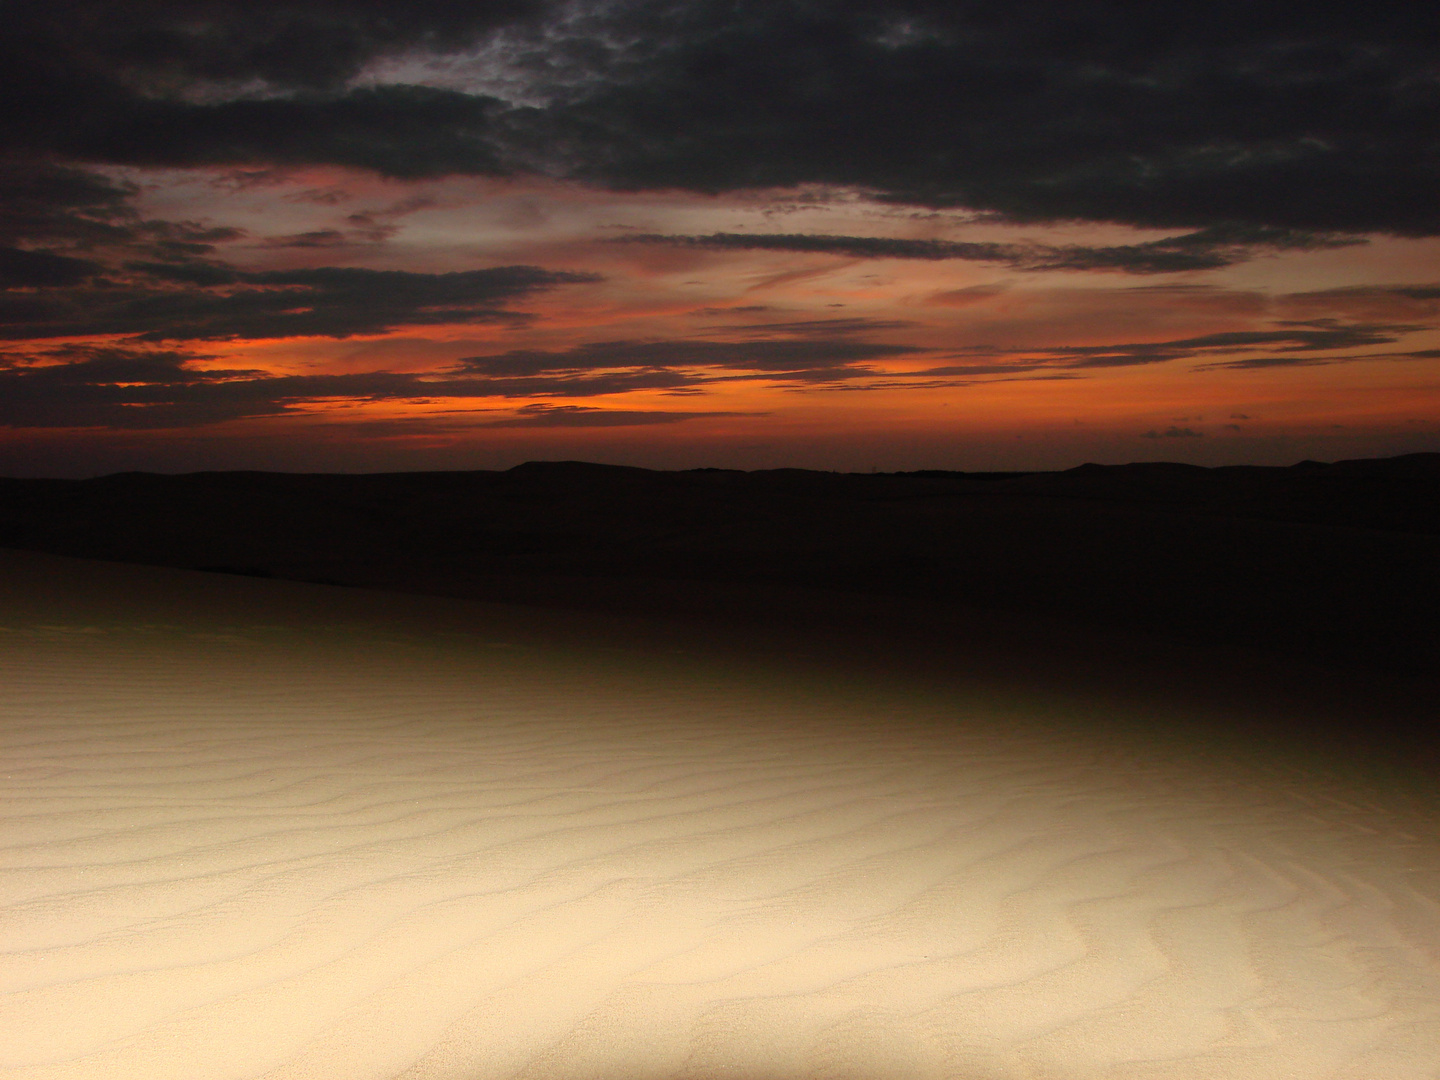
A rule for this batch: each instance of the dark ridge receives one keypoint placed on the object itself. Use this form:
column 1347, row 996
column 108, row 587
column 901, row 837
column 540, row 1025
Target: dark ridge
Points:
column 1335, row 564
column 575, row 468
column 1306, row 594
column 944, row 474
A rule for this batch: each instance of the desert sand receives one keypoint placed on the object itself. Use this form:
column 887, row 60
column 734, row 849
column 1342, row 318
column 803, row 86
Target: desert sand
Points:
column 259, row 828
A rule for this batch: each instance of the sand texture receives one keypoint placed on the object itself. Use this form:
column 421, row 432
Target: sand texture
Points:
column 265, row 829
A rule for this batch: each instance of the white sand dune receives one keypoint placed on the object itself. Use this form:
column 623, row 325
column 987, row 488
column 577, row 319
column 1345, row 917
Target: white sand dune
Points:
column 257, row 829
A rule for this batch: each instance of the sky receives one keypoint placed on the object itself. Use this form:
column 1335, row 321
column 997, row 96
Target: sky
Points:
column 370, row 236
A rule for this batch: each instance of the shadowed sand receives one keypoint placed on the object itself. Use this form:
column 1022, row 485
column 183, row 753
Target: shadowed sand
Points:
column 266, row 829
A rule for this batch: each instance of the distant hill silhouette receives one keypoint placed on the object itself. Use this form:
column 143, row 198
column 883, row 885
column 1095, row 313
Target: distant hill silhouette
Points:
column 1335, row 563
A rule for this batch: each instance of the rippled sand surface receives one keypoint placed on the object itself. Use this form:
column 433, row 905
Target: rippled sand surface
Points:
column 257, row 829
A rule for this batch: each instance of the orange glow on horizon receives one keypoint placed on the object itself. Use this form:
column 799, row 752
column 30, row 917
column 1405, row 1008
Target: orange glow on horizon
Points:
column 1038, row 356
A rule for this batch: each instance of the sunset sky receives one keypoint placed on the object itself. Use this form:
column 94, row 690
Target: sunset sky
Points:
column 374, row 236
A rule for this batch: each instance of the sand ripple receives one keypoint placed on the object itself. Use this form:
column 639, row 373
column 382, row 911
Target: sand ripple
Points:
column 288, row 848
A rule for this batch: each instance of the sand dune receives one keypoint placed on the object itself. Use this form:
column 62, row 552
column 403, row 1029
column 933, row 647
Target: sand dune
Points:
column 264, row 829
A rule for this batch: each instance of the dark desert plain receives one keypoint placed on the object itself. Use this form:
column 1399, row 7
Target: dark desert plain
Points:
column 857, row 540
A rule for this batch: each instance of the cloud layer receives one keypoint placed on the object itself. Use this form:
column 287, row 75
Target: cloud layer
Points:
column 134, row 385
column 1239, row 129
column 1204, row 249
column 1256, row 113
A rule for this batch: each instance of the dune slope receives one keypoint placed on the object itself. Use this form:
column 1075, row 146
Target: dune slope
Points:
column 266, row 829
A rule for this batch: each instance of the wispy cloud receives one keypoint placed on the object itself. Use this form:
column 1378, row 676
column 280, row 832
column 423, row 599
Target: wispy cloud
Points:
column 209, row 301
column 773, row 355
column 1293, row 343
column 1203, row 249
column 1294, row 360
column 578, row 416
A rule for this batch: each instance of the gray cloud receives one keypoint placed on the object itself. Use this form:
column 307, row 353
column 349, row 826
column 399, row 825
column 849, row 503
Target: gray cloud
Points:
column 62, row 227
column 22, row 268
column 1295, row 343
column 1293, row 360
column 212, row 301
column 133, row 387
column 1299, row 338
column 1254, row 112
column 105, row 364
column 1237, row 113
column 45, row 203
column 77, row 260
column 1204, row 249
column 130, row 386
column 782, row 355
column 319, row 238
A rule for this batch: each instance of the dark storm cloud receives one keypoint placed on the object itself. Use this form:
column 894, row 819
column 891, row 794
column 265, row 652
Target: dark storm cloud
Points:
column 44, row 203
column 1204, row 249
column 133, row 389
column 103, row 364
column 59, row 206
column 400, row 131
column 62, row 233
column 315, row 44
column 23, row 268
column 210, row 81
column 1235, row 114
column 1260, row 113
column 210, row 301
